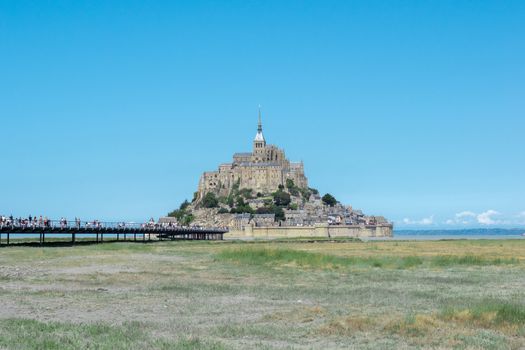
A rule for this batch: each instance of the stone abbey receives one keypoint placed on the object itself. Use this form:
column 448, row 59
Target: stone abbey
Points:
column 264, row 194
column 263, row 170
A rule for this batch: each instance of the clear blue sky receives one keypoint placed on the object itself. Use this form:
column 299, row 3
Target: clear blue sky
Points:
column 414, row 110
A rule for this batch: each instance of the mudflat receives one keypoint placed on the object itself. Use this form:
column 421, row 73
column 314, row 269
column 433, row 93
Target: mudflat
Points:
column 239, row 295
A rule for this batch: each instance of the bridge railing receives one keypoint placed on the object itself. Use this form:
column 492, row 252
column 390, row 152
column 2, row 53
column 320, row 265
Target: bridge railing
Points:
column 100, row 225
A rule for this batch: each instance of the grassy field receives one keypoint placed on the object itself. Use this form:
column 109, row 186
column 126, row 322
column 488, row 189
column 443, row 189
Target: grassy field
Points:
column 235, row 295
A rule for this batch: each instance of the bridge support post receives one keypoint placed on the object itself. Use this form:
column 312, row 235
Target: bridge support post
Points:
column 7, row 238
column 73, row 237
column 97, row 237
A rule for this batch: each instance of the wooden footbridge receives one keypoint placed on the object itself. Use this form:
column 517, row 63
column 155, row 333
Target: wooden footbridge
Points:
column 98, row 232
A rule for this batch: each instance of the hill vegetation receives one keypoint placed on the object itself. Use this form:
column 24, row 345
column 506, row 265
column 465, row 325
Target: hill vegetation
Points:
column 240, row 201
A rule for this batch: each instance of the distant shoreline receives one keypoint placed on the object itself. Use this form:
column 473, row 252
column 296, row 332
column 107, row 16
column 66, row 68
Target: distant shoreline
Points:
column 474, row 231
column 471, row 234
column 398, row 237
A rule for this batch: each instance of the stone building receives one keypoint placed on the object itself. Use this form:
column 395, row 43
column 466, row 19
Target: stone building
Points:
column 240, row 221
column 262, row 170
column 263, row 220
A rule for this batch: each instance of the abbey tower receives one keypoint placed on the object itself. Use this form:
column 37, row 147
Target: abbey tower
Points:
column 263, row 170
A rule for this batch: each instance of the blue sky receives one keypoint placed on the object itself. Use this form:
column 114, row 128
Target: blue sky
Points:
column 414, row 110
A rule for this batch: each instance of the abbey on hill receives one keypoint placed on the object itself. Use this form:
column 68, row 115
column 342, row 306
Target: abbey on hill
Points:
column 263, row 170
column 263, row 189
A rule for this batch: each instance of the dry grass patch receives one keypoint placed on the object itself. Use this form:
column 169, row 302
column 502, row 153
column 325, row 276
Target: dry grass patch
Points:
column 419, row 325
column 347, row 326
column 298, row 315
column 461, row 326
column 506, row 317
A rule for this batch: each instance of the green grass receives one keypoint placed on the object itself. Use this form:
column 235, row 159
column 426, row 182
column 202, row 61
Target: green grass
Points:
column 276, row 256
column 270, row 256
column 483, row 339
column 279, row 256
column 490, row 313
column 31, row 334
column 470, row 260
column 316, row 239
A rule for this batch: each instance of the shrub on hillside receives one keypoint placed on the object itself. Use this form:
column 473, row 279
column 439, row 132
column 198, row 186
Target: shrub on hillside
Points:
column 281, row 198
column 210, row 200
column 330, row 200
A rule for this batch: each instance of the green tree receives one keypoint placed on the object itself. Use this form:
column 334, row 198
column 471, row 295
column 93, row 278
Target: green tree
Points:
column 247, row 193
column 330, row 200
column 242, row 210
column 178, row 214
column 184, row 205
column 230, row 201
column 281, row 198
column 305, row 193
column 313, row 190
column 293, row 206
column 240, row 202
column 279, row 214
column 264, row 210
column 210, row 200
column 187, row 219
column 236, row 185
column 290, row 184
column 181, row 212
column 294, row 191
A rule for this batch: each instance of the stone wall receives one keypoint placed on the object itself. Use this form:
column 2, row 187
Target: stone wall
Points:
column 312, row 231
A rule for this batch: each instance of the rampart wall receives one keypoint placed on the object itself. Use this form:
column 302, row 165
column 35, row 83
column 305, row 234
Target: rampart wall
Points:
column 312, row 231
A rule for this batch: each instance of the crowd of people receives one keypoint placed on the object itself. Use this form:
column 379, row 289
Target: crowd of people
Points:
column 35, row 222
column 31, row 221
column 44, row 222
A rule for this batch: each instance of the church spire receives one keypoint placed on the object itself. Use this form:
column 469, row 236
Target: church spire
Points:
column 259, row 128
column 259, row 138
